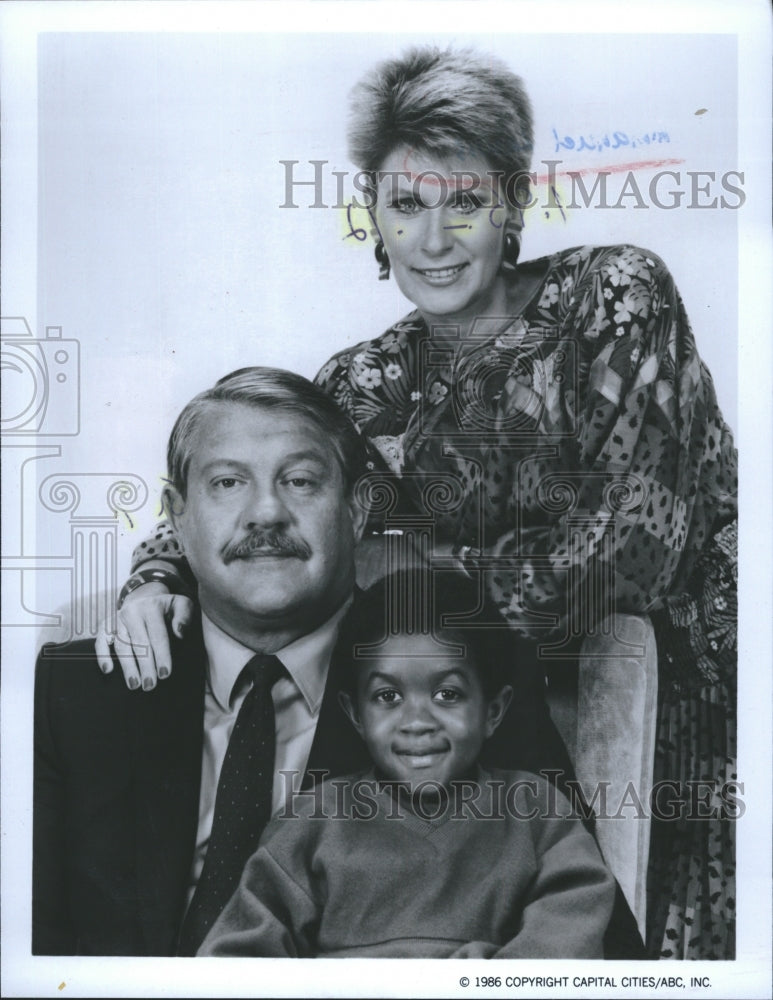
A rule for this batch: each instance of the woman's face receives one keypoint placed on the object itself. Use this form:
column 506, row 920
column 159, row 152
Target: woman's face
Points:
column 443, row 224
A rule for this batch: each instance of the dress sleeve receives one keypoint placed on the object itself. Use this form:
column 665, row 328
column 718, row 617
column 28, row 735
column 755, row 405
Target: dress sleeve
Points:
column 634, row 467
column 161, row 544
column 271, row 915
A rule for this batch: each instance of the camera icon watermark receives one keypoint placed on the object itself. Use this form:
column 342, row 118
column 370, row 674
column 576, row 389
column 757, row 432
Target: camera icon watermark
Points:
column 60, row 526
column 40, row 381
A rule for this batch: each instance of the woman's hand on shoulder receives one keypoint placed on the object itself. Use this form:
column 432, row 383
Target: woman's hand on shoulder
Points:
column 144, row 623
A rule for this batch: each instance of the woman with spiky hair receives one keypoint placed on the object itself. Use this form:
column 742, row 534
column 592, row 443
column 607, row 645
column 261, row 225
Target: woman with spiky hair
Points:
column 562, row 404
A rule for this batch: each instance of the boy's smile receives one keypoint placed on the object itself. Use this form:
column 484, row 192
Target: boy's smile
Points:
column 423, row 715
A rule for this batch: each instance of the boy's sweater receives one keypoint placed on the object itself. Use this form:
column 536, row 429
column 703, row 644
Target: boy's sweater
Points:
column 367, row 877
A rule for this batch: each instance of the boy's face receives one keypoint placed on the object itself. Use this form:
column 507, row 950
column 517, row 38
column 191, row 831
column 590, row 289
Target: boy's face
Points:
column 423, row 716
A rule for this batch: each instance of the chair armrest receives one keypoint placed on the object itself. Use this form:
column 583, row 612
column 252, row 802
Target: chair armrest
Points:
column 616, row 712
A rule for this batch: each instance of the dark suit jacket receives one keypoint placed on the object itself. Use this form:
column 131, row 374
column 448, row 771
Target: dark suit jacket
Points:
column 117, row 776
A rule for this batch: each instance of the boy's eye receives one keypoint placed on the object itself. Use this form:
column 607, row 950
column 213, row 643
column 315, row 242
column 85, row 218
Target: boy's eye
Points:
column 387, row 696
column 448, row 695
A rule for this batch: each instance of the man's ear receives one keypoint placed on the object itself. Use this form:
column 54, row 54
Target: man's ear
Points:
column 359, row 516
column 172, row 504
column 497, row 707
column 349, row 705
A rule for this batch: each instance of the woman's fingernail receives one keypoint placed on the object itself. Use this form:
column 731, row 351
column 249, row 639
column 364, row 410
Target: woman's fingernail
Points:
column 104, row 667
column 133, row 683
column 148, row 684
column 163, row 672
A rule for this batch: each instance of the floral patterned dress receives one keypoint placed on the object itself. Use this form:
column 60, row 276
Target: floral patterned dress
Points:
column 578, row 456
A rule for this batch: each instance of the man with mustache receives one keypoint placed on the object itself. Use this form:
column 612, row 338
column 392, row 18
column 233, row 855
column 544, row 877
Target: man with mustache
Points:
column 262, row 470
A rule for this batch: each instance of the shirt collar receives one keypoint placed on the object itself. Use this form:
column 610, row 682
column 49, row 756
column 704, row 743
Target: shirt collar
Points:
column 306, row 660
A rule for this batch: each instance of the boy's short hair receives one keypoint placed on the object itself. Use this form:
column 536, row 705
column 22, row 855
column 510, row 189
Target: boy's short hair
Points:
column 447, row 604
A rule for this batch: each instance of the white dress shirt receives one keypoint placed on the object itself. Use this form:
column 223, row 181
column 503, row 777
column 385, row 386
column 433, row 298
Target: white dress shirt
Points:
column 297, row 700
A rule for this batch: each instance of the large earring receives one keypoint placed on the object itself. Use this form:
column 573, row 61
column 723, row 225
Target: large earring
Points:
column 511, row 250
column 383, row 261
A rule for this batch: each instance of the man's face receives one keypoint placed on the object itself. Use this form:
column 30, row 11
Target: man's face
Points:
column 423, row 717
column 266, row 524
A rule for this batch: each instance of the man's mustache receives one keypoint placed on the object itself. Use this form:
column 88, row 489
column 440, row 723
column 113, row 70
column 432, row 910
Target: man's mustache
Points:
column 271, row 540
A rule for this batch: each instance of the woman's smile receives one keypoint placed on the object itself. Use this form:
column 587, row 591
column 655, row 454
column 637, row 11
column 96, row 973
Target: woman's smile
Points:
column 440, row 275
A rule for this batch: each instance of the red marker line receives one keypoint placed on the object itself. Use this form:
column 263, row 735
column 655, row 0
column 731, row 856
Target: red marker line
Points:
column 617, row 168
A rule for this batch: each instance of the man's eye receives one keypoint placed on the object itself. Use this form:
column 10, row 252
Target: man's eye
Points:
column 301, row 482
column 225, row 483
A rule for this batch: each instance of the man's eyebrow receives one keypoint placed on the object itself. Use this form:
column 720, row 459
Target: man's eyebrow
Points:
column 306, row 455
column 303, row 455
column 224, row 463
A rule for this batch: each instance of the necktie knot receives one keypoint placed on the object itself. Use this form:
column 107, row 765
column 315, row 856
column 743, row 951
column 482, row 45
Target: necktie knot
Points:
column 264, row 671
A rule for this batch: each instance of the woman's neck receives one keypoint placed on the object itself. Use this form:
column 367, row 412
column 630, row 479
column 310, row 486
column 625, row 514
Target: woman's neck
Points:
column 508, row 299
column 484, row 316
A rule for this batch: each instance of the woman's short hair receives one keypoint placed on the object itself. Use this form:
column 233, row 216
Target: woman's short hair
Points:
column 268, row 388
column 444, row 102
column 446, row 604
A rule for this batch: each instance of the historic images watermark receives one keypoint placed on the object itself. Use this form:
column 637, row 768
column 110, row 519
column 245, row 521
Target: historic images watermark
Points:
column 313, row 185
column 522, row 798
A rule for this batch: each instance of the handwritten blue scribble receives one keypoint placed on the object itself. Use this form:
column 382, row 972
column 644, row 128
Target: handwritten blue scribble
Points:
column 598, row 144
column 358, row 233
column 498, row 225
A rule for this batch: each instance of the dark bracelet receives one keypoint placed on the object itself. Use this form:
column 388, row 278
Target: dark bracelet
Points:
column 467, row 555
column 170, row 580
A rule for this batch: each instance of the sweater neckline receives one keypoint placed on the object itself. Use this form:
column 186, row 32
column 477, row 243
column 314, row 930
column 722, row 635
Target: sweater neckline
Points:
column 437, row 813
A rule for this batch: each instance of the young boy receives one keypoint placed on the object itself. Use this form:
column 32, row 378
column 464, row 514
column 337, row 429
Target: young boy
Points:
column 427, row 855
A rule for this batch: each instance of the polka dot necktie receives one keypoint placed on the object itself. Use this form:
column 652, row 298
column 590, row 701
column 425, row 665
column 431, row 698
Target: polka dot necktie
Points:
column 242, row 802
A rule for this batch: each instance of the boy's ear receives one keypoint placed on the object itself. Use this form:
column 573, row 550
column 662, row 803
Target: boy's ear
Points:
column 349, row 705
column 497, row 707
